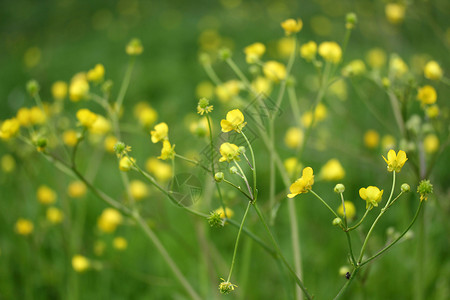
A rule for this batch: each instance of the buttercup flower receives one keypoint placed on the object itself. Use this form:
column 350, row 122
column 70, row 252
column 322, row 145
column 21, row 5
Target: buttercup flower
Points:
column 350, row 210
column 24, row 226
column 427, row 95
column 203, row 106
column 372, row 195
column 226, row 287
column 86, row 117
column 167, row 151
column 76, row 189
column 424, row 189
column 433, row 70
column 254, row 52
column 330, row 51
column 96, row 74
column 308, row 51
column 229, row 152
column 291, row 26
column 274, row 71
column 138, row 190
column 54, row 215
column 395, row 12
column 109, row 220
column 80, row 263
column 160, row 132
column 45, row 195
column 79, row 88
column 120, row 243
column 395, row 161
column 234, row 121
column 9, row 128
column 303, row 184
column 59, row 90
column 126, row 163
column 332, row 170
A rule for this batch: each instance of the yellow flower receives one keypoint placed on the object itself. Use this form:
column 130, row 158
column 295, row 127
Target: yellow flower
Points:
column 350, row 210
column 254, row 52
column 134, row 47
column 234, row 121
column 96, row 74
column 86, row 117
column 376, row 58
column 308, row 50
column 80, row 263
column 229, row 211
column 433, row 70
column 427, row 95
column 229, row 152
column 372, row 195
column 354, row 68
column 432, row 111
column 205, row 89
column 54, row 215
column 167, row 151
column 76, row 189
column 23, row 116
column 286, row 46
column 120, row 243
column 59, row 90
column 8, row 163
column 292, row 166
column 145, row 114
column 332, row 170
column 291, row 26
column 431, row 144
column 160, row 132
column 397, row 66
column 203, row 106
column 371, row 139
column 9, row 129
column 37, row 116
column 395, row 12
column 70, row 137
column 388, row 142
column 395, row 161
column 262, row 85
column 303, row 184
column 110, row 142
column 138, row 190
column 161, row 170
column 126, row 163
column 294, row 137
column 330, row 51
column 109, row 220
column 274, row 71
column 24, row 226
column 79, row 88
column 45, row 195
column 226, row 91
column 101, row 126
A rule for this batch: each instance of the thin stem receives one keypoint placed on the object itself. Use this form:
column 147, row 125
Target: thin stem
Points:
column 360, row 221
column 245, row 179
column 241, row 75
column 166, row 256
column 253, row 164
column 347, row 284
column 211, row 74
column 125, row 83
column 238, row 188
column 324, row 203
column 237, row 240
column 396, row 240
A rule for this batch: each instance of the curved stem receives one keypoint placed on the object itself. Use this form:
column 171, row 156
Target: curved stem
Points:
column 124, row 86
column 360, row 221
column 324, row 203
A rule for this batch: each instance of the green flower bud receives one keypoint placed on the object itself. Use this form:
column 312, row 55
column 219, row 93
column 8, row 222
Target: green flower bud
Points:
column 219, row 176
column 233, row 170
column 424, row 189
column 224, row 53
column 339, row 188
column 241, row 149
column 226, row 287
column 337, row 222
column 215, row 220
column 33, row 87
column 351, row 20
column 405, row 188
column 119, row 147
column 204, row 59
column 203, row 103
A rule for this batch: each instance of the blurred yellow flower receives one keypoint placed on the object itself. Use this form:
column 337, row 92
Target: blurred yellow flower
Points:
column 204, row 89
column 294, row 137
column 371, row 139
column 433, row 70
column 145, row 114
column 286, row 46
column 161, row 170
column 80, row 263
column 24, row 226
column 120, row 243
column 134, row 47
column 138, row 189
column 330, row 51
column 388, row 142
column 274, row 71
column 167, row 151
column 76, row 189
column 160, row 132
column 254, row 52
column 303, row 184
column 234, row 121
column 432, row 111
column 229, row 152
column 37, row 116
column 23, row 116
column 227, row 90
column 79, row 88
column 395, row 12
column 291, row 26
column 350, row 210
column 376, row 58
column 431, row 143
column 397, row 66
column 427, row 95
column 372, row 195
column 332, row 170
column 109, row 219
column 110, row 142
column 45, row 195
column 59, row 90
column 126, row 163
column 354, row 68
column 8, row 163
column 308, row 50
column 86, row 117
column 54, row 215
column 96, row 74
column 229, row 212
column 262, row 85
column 101, row 126
column 9, row 128
column 292, row 165
column 395, row 162
column 70, row 137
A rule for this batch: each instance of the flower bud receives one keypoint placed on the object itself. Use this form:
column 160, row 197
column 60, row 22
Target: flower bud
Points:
column 134, row 47
column 339, row 188
column 219, row 176
column 351, row 20
column 233, row 170
column 215, row 220
column 241, row 150
column 424, row 189
column 204, row 59
column 405, row 188
column 33, row 87
column 337, row 222
column 224, row 53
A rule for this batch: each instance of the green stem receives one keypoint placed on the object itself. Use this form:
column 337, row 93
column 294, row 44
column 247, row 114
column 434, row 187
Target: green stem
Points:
column 396, row 240
column 253, row 164
column 245, row 179
column 124, row 86
column 360, row 221
column 237, row 240
column 324, row 203
column 238, row 188
column 347, row 284
column 241, row 75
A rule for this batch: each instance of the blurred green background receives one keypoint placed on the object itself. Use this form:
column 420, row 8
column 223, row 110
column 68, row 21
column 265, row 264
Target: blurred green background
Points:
column 53, row 40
